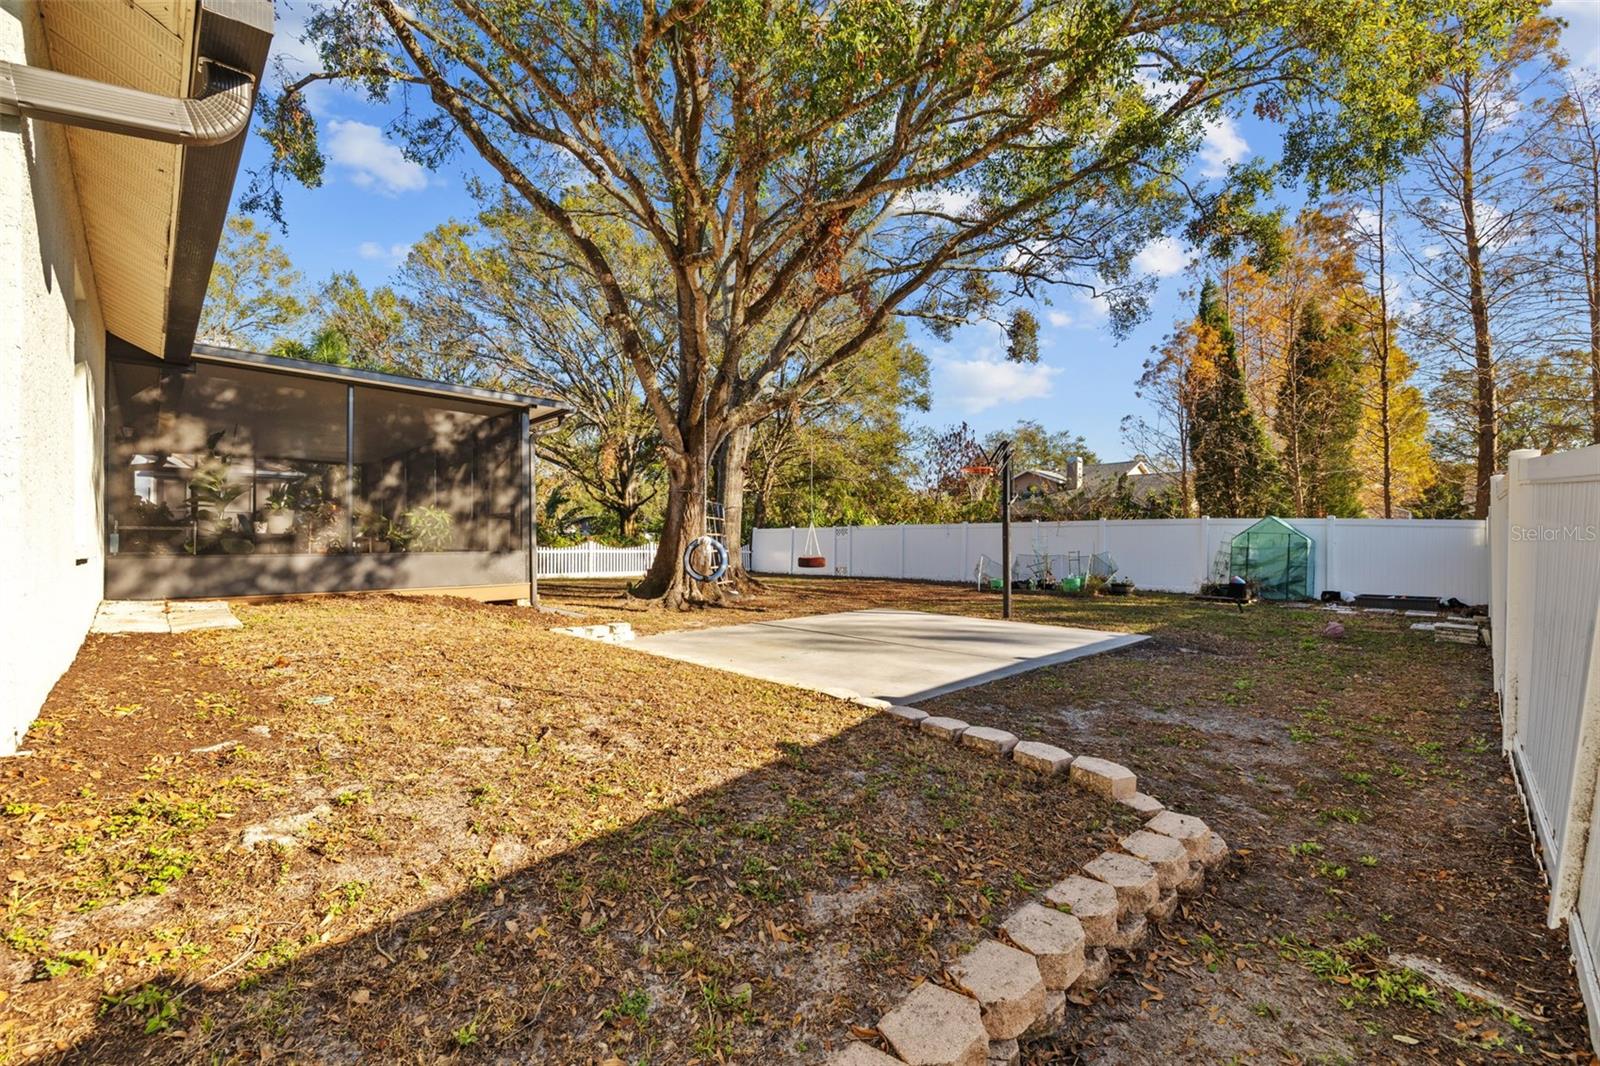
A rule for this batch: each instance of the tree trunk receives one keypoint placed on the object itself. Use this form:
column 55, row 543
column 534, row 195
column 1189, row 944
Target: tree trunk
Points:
column 732, row 460
column 1592, row 283
column 667, row 580
column 1482, row 350
column 1384, row 354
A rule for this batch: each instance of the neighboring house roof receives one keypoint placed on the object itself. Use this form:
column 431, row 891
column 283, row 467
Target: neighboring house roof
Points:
column 1046, row 475
column 1093, row 472
column 153, row 211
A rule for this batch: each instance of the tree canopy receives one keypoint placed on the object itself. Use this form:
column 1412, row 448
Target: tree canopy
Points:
column 784, row 161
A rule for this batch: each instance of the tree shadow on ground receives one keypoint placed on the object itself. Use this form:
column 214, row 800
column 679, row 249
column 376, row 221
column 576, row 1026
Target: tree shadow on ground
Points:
column 761, row 918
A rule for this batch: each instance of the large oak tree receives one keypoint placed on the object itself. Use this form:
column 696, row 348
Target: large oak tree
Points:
column 934, row 159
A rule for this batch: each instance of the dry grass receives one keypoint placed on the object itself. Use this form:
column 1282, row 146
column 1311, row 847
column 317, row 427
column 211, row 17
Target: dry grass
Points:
column 513, row 842
column 550, row 850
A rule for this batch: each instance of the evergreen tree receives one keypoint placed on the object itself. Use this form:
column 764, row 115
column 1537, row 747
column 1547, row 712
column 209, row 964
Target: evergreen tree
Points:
column 1318, row 414
column 1235, row 473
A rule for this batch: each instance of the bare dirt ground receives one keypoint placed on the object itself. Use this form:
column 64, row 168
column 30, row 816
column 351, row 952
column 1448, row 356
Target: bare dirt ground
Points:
column 481, row 841
column 1371, row 814
column 386, row 829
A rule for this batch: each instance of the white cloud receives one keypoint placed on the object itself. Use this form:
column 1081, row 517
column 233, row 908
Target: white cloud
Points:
column 979, row 384
column 944, row 201
column 1162, row 257
column 1223, row 146
column 1058, row 319
column 374, row 250
column 1581, row 37
column 372, row 162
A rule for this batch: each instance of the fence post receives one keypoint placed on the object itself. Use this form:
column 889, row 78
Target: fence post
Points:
column 1205, row 563
column 1100, row 536
column 903, row 552
column 1519, row 575
column 1328, row 526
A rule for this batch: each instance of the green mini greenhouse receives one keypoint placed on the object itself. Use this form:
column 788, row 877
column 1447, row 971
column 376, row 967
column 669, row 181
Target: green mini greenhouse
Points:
column 1277, row 557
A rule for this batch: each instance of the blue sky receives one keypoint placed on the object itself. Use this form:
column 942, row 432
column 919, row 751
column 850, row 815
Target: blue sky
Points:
column 374, row 204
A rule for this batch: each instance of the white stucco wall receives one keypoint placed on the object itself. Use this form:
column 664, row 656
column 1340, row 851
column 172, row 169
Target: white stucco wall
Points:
column 52, row 373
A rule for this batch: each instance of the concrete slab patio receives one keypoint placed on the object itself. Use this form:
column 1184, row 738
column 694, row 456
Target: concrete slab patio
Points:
column 899, row 656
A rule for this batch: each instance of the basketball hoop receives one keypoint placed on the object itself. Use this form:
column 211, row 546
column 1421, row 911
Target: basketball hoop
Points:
column 977, row 468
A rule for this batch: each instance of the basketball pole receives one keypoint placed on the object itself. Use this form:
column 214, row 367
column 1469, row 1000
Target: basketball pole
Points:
column 1005, row 531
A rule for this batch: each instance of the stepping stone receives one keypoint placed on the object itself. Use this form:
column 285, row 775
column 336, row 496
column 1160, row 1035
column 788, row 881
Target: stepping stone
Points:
column 907, row 715
column 1145, row 805
column 1103, row 777
column 284, row 832
column 1216, row 852
column 1134, row 879
column 859, row 1054
column 1093, row 903
column 993, row 741
column 934, row 1026
column 1186, row 829
column 1041, row 758
column 1169, row 858
column 1096, row 969
column 943, row 728
column 1054, row 939
column 1007, row 985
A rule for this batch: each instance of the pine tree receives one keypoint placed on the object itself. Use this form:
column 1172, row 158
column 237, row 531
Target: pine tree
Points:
column 1235, row 472
column 1318, row 414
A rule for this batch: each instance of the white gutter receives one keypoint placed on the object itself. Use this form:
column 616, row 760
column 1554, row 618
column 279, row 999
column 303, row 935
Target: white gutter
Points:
column 219, row 114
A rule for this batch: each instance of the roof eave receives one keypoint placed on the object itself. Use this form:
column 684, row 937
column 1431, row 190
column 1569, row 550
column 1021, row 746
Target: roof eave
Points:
column 540, row 408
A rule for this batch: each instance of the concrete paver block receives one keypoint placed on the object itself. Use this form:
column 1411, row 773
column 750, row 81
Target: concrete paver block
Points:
column 1096, row 969
column 1004, row 1053
column 908, row 715
column 1193, row 880
column 1216, row 852
column 1164, row 907
column 1093, row 903
column 1170, row 859
column 1186, row 829
column 1007, row 985
column 859, row 1054
column 944, row 728
column 993, row 741
column 934, row 1026
column 1053, row 1018
column 1104, row 777
column 1041, row 758
column 1130, row 933
column 1134, row 879
column 1053, row 938
column 1143, row 804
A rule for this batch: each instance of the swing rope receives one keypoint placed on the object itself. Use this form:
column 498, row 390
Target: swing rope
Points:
column 707, row 541
column 811, row 557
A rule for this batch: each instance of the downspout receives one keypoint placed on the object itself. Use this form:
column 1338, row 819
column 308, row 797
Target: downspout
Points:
column 219, row 114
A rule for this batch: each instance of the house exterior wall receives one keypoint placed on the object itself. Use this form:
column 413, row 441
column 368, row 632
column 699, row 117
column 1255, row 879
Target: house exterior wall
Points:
column 52, row 373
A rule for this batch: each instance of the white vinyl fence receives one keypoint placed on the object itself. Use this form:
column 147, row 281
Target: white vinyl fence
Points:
column 1404, row 557
column 1544, row 526
column 594, row 560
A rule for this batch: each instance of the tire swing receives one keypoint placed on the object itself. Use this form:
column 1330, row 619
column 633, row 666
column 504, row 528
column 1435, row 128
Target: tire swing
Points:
column 719, row 559
column 812, row 557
